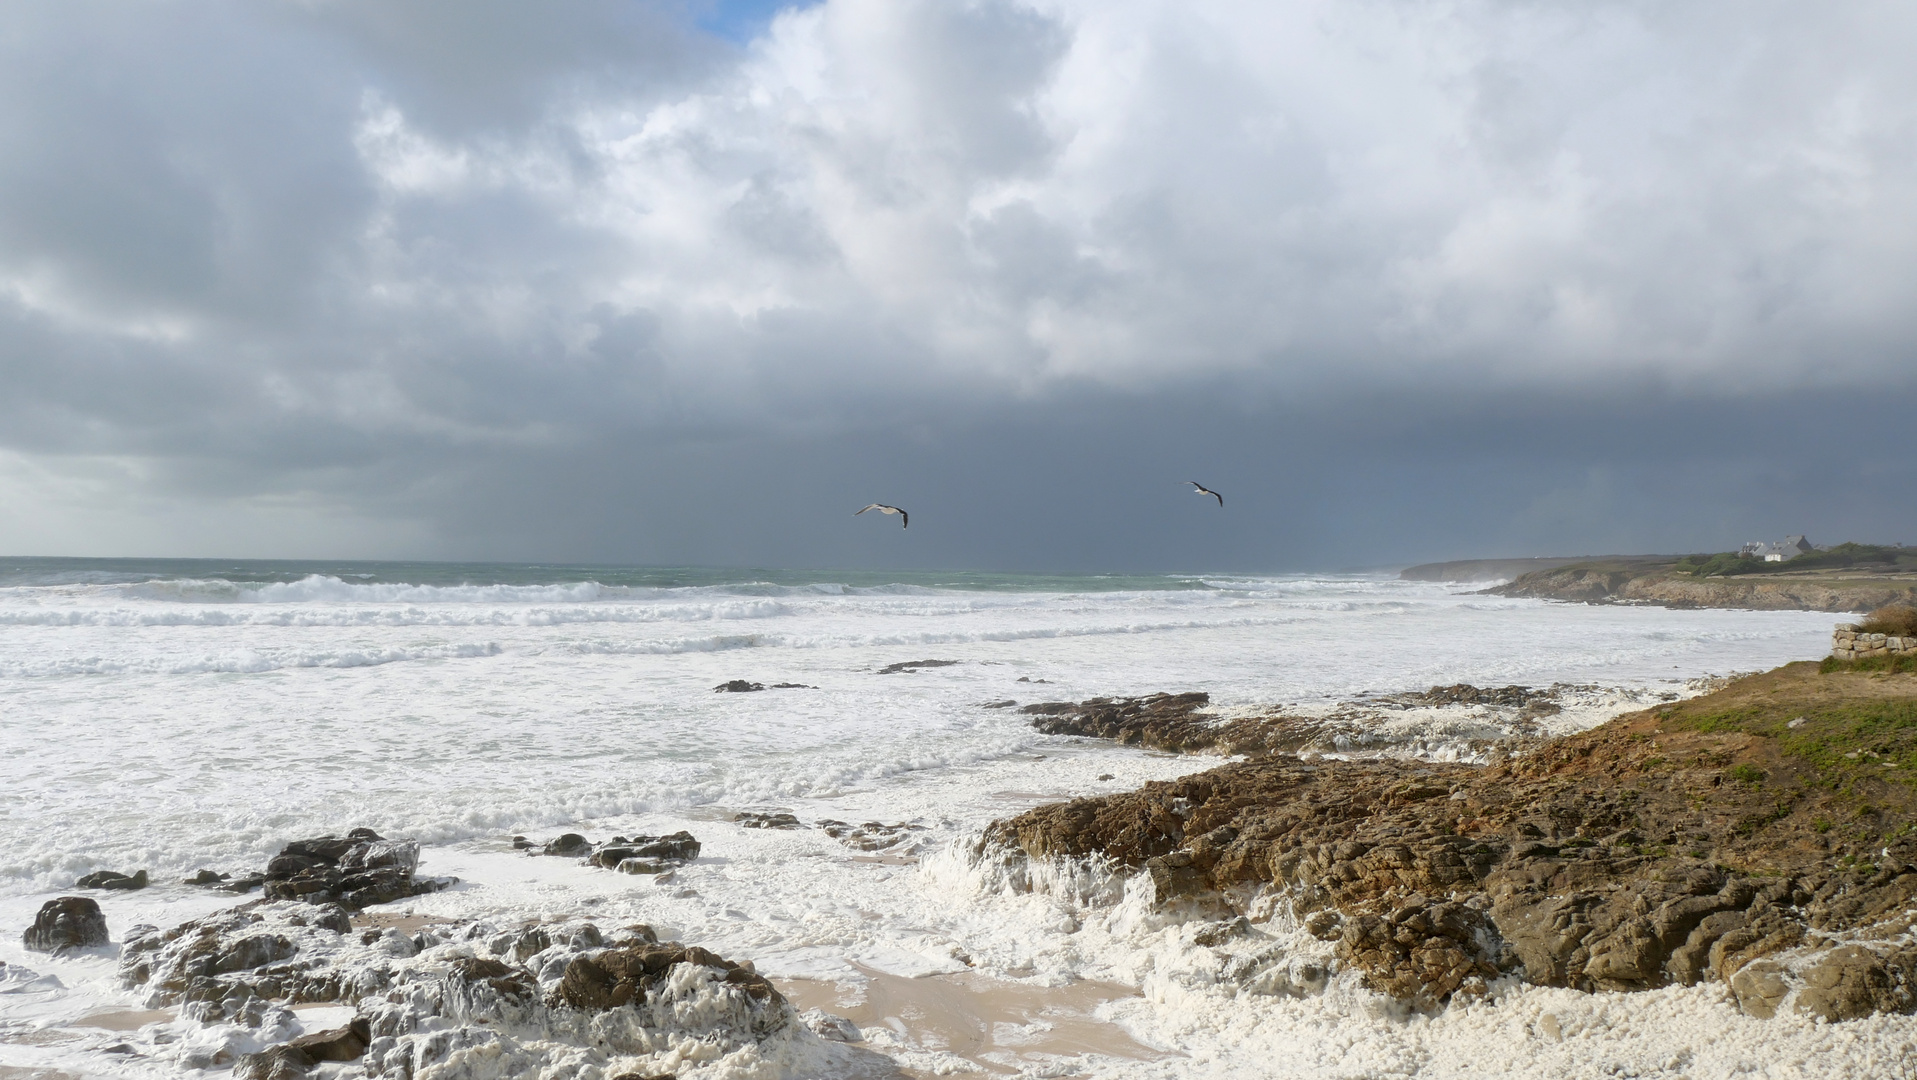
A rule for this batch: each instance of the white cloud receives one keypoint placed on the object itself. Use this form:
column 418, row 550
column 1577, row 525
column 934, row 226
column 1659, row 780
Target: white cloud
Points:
column 309, row 236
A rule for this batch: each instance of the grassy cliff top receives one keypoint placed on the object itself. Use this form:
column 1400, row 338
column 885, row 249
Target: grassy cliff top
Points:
column 1832, row 746
column 1843, row 560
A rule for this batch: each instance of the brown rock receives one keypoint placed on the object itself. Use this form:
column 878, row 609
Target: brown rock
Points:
column 1853, row 981
column 357, row 870
column 624, row 976
column 1620, row 859
column 294, row 1059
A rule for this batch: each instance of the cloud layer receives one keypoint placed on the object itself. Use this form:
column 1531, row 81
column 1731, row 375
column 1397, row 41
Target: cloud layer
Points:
column 359, row 275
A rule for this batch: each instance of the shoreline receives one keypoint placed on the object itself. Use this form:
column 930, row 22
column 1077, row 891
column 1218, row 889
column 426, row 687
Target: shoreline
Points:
column 1230, row 953
column 1774, row 861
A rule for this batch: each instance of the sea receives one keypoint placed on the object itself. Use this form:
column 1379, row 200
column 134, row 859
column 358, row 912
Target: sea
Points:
column 178, row 715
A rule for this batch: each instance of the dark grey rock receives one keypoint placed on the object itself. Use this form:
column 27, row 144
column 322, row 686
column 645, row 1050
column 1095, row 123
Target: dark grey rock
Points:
column 68, row 922
column 357, row 870
column 113, row 879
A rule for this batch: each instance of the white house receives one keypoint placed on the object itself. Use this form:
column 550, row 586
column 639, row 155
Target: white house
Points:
column 1782, row 551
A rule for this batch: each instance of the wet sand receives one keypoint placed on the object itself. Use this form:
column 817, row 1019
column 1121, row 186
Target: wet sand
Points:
column 1000, row 1025
column 125, row 1019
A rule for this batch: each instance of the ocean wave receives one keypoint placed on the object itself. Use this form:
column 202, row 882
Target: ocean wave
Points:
column 719, row 643
column 326, row 588
column 244, row 661
column 322, row 588
column 346, row 615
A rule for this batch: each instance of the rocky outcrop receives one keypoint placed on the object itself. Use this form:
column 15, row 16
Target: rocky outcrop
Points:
column 1623, row 859
column 469, row 998
column 914, row 665
column 113, row 879
column 68, row 922
column 635, row 855
column 625, row 976
column 1180, row 723
column 290, row 1060
column 741, row 686
column 647, row 854
column 1605, row 583
column 355, row 871
column 234, row 964
column 1173, row 722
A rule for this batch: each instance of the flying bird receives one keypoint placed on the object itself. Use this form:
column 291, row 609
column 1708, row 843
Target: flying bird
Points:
column 905, row 519
column 1203, row 490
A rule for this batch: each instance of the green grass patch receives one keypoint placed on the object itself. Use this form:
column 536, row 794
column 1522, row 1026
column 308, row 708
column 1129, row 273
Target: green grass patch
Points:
column 1722, row 565
column 1873, row 557
column 1843, row 740
column 1887, row 664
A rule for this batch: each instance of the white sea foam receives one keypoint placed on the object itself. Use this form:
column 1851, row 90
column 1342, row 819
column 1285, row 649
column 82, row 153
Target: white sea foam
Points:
column 179, row 724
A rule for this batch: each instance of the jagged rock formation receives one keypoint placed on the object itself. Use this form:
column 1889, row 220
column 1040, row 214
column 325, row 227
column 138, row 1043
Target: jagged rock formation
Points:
column 637, row 855
column 297, row 1057
column 1629, row 857
column 1612, row 582
column 113, row 879
column 66, row 922
column 354, row 871
column 472, row 998
column 1180, row 723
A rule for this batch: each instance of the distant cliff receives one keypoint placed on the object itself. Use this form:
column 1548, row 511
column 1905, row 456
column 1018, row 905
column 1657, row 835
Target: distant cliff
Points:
column 1652, row 580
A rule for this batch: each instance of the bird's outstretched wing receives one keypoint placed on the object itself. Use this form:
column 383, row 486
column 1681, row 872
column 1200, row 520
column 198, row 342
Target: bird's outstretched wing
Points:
column 1203, row 490
column 905, row 519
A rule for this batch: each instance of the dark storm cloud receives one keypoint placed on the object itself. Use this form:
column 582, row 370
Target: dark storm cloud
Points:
column 523, row 280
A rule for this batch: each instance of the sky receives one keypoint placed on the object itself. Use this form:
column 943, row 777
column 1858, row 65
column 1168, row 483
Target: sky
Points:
column 688, row 282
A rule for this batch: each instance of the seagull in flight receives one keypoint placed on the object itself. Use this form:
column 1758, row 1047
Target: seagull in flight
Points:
column 1203, row 490
column 905, row 519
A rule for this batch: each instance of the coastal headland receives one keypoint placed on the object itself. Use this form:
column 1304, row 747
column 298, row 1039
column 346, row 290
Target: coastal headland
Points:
column 1761, row 836
column 1850, row 577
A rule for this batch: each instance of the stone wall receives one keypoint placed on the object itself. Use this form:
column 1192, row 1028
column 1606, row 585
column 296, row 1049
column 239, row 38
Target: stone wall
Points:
column 1849, row 642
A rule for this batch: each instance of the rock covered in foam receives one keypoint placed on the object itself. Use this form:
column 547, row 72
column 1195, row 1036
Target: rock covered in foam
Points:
column 354, row 871
column 293, row 1059
column 1615, row 860
column 67, row 922
column 624, row 1005
column 230, row 964
column 870, row 835
column 472, row 1000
